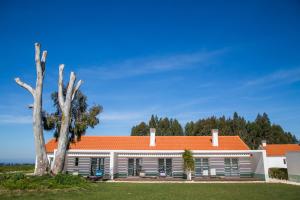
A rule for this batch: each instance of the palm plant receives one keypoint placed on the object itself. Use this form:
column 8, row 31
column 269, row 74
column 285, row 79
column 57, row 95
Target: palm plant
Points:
column 188, row 163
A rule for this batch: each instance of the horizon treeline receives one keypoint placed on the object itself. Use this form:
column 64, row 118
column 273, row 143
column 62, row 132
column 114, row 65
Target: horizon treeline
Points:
column 252, row 132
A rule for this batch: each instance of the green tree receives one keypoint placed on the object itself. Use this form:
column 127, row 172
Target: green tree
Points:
column 189, row 128
column 252, row 133
column 176, row 128
column 140, row 130
column 82, row 117
column 163, row 126
column 153, row 123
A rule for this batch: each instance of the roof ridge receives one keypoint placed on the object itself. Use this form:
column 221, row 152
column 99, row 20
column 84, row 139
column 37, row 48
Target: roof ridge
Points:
column 85, row 136
column 283, row 144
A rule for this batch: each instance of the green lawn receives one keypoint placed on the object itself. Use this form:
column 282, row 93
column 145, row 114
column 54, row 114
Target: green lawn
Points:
column 170, row 191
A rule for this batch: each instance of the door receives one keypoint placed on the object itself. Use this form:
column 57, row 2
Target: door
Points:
column 169, row 167
column 130, row 167
column 205, row 167
column 93, row 166
column 198, row 169
column 161, row 165
column 201, row 167
column 138, row 166
column 234, row 167
column 97, row 164
column 165, row 166
column 231, row 166
column 134, row 166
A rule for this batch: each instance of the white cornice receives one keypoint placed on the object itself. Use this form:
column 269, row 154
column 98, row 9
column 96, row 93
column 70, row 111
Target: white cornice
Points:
column 163, row 151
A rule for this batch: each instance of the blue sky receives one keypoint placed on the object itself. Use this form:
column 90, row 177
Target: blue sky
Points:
column 182, row 59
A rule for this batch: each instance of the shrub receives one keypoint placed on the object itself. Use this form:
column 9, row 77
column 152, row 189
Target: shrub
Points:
column 22, row 182
column 65, row 179
column 14, row 181
column 279, row 173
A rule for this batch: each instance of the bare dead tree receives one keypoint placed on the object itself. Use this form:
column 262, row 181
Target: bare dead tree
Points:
column 41, row 167
column 65, row 106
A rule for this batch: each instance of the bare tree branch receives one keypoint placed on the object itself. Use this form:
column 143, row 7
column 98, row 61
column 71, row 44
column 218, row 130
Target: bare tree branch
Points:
column 70, row 86
column 41, row 166
column 26, row 86
column 37, row 58
column 76, row 88
column 61, row 100
column 44, row 56
column 43, row 61
column 60, row 154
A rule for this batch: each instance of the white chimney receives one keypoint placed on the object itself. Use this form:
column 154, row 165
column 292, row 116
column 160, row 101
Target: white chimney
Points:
column 264, row 143
column 215, row 137
column 152, row 137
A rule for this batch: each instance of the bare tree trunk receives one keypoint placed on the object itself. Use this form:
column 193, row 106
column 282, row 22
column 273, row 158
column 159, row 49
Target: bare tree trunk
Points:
column 189, row 175
column 42, row 164
column 65, row 105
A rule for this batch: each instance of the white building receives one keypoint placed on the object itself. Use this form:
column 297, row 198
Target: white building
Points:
column 276, row 153
column 293, row 165
column 221, row 157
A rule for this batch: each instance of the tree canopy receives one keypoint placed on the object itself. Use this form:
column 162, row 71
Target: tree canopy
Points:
column 252, row 132
column 188, row 160
column 163, row 126
column 81, row 116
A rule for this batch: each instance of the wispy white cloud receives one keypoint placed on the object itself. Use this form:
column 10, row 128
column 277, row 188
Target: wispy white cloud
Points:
column 121, row 116
column 152, row 65
column 15, row 119
column 277, row 78
column 129, row 116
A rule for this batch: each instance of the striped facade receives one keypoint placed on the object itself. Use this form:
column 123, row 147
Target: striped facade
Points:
column 84, row 163
column 150, row 164
column 161, row 156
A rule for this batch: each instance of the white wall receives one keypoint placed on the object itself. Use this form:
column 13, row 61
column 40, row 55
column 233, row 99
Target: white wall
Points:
column 276, row 162
column 293, row 165
column 259, row 164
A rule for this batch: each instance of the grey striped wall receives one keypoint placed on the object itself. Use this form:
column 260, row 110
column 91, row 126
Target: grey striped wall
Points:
column 106, row 166
column 150, row 165
column 122, row 167
column 245, row 167
column 84, row 165
column 177, row 166
column 218, row 164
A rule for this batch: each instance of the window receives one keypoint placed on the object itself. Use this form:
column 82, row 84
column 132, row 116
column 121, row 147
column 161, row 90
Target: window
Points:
column 76, row 161
column 201, row 167
column 231, row 166
column 97, row 164
column 134, row 166
column 165, row 166
column 284, row 161
column 161, row 165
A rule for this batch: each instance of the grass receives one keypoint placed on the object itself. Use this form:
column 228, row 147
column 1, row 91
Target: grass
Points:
column 164, row 191
column 24, row 168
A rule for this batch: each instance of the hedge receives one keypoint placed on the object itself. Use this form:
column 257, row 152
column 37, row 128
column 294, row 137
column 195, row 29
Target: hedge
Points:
column 278, row 173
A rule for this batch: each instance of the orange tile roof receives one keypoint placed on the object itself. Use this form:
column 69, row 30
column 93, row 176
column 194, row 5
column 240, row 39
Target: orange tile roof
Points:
column 162, row 143
column 280, row 149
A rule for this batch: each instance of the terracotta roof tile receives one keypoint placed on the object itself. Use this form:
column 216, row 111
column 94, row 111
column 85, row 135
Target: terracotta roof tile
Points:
column 162, row 143
column 280, row 149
